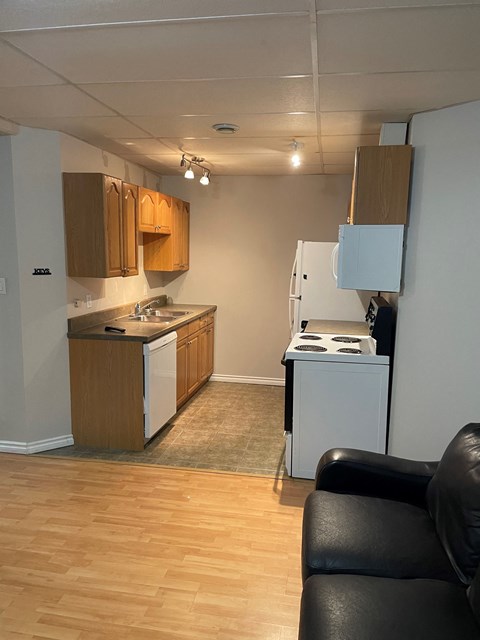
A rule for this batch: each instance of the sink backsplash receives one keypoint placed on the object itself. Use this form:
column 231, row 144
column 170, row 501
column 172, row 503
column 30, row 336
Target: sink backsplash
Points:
column 78, row 323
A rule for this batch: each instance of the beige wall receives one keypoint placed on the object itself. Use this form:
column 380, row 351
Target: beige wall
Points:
column 244, row 232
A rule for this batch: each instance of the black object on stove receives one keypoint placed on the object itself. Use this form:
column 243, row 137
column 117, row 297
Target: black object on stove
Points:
column 380, row 323
column 309, row 347
column 308, row 336
column 347, row 339
column 349, row 350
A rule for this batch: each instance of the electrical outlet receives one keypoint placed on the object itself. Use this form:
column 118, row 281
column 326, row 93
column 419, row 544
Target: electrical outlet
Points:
column 145, row 290
column 3, row 286
column 76, row 303
column 88, row 300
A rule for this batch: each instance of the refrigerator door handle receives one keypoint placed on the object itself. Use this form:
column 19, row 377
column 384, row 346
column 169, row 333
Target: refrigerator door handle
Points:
column 292, row 276
column 334, row 261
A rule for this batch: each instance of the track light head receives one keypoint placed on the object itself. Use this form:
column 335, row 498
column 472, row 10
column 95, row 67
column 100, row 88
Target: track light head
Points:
column 205, row 179
column 189, row 175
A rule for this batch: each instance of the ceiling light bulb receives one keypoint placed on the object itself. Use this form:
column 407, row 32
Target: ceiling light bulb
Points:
column 205, row 180
column 295, row 157
column 189, row 175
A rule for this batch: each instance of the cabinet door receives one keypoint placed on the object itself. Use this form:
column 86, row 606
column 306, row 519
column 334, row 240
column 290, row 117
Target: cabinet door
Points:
column 209, row 347
column 177, row 231
column 381, row 185
column 113, row 222
column 193, row 363
column 147, row 210
column 182, row 387
column 185, row 237
column 164, row 213
column 129, row 228
column 203, row 349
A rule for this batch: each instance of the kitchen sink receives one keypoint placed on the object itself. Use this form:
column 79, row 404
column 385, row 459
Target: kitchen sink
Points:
column 155, row 318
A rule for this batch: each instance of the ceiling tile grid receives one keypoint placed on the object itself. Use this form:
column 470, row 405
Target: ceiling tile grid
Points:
column 148, row 80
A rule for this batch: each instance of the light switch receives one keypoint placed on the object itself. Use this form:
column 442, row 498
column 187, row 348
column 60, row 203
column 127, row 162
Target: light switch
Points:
column 3, row 286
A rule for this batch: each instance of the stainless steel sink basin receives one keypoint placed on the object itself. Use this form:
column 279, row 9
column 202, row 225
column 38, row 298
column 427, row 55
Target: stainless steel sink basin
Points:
column 165, row 312
column 157, row 319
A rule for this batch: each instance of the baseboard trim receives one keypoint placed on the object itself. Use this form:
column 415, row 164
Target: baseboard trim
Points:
column 10, row 446
column 276, row 382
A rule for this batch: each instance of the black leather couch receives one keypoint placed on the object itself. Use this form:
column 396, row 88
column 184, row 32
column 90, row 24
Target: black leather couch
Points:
column 390, row 547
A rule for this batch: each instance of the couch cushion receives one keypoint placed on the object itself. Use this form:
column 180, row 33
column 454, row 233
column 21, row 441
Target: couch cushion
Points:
column 344, row 607
column 370, row 536
column 453, row 499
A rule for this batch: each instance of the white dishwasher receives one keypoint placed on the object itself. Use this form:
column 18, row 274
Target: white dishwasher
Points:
column 160, row 382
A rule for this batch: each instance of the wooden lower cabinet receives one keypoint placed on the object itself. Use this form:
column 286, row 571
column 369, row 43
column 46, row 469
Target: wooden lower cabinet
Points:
column 194, row 356
column 106, row 389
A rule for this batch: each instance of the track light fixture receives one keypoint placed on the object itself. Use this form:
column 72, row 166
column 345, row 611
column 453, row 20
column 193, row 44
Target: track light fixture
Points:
column 197, row 162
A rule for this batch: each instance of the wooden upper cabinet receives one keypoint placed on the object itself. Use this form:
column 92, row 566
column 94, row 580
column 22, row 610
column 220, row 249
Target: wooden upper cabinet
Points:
column 101, row 239
column 154, row 212
column 170, row 252
column 381, row 183
column 129, row 228
column 147, row 206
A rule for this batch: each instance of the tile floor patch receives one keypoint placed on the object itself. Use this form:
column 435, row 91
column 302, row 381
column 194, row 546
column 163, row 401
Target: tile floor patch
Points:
column 226, row 427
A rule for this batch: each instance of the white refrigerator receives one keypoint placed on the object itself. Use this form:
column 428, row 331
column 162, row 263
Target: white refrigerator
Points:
column 313, row 289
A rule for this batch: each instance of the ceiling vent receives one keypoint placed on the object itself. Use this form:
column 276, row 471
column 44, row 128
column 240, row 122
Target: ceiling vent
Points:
column 224, row 127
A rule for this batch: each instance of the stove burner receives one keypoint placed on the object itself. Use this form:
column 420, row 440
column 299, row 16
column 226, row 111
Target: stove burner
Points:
column 348, row 350
column 307, row 336
column 309, row 347
column 348, row 339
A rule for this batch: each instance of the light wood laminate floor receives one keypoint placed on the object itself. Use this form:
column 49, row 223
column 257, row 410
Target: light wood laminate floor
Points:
column 226, row 427
column 93, row 550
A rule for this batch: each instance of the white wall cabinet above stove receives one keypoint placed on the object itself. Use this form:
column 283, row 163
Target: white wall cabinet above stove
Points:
column 370, row 257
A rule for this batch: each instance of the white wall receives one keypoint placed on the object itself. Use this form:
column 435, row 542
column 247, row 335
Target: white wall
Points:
column 437, row 356
column 12, row 395
column 244, row 232
column 35, row 345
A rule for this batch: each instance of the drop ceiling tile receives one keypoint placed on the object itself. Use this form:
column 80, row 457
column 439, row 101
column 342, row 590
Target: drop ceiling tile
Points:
column 48, row 101
column 220, row 97
column 111, row 126
column 242, row 47
column 356, row 122
column 398, row 91
column 344, row 144
column 17, row 69
column 229, row 145
column 295, row 124
column 399, row 40
column 143, row 146
column 338, row 169
column 343, row 158
column 21, row 14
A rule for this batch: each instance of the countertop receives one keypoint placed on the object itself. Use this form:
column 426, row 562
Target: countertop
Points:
column 338, row 327
column 142, row 331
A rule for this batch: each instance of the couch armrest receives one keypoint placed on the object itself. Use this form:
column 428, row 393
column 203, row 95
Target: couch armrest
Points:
column 375, row 474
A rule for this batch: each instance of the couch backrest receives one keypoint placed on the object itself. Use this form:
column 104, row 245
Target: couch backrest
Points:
column 453, row 500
